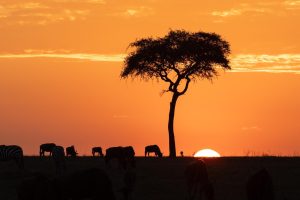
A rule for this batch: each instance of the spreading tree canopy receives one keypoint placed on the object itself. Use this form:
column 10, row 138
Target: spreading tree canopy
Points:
column 177, row 58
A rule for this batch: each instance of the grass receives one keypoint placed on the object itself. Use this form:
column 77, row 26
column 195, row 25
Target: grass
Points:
column 163, row 178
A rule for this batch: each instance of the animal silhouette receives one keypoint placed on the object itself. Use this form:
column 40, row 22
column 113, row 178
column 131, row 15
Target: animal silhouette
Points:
column 153, row 149
column 58, row 155
column 70, row 151
column 97, row 150
column 47, row 147
column 260, row 186
column 124, row 155
column 12, row 152
column 197, row 181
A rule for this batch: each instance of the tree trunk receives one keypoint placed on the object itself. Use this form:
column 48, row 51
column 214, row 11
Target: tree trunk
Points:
column 172, row 146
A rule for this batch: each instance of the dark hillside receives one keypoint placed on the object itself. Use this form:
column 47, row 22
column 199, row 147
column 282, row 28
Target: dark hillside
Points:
column 163, row 178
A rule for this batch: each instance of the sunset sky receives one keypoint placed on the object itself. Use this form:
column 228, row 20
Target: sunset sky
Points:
column 60, row 64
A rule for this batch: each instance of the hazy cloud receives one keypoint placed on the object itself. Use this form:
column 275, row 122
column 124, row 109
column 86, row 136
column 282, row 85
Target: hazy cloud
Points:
column 81, row 1
column 280, row 63
column 43, row 13
column 120, row 116
column 244, row 8
column 45, row 51
column 250, row 128
column 57, row 54
column 11, row 10
column 227, row 13
column 141, row 11
column 26, row 6
column 292, row 4
column 235, row 12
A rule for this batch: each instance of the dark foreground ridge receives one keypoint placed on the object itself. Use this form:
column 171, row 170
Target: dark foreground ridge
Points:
column 165, row 178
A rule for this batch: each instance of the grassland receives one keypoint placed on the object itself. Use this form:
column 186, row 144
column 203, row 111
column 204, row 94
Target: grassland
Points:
column 163, row 178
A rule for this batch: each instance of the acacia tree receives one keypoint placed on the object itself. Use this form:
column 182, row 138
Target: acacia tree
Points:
column 177, row 58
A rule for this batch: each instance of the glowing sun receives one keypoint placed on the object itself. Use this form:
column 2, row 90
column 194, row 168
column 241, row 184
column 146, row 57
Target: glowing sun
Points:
column 207, row 153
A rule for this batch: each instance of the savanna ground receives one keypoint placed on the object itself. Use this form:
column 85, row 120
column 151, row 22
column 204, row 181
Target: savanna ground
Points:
column 163, row 178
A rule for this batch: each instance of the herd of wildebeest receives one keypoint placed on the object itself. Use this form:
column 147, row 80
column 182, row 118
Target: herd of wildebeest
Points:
column 94, row 183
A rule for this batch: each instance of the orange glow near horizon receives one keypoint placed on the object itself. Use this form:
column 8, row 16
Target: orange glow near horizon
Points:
column 208, row 153
column 60, row 64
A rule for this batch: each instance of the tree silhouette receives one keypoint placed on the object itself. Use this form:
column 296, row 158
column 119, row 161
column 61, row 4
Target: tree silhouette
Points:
column 177, row 58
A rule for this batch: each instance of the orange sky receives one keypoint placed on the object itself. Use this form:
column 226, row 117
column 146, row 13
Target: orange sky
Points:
column 60, row 62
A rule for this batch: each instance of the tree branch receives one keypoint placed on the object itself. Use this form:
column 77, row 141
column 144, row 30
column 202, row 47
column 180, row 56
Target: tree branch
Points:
column 188, row 80
column 165, row 78
column 190, row 69
column 171, row 87
column 175, row 69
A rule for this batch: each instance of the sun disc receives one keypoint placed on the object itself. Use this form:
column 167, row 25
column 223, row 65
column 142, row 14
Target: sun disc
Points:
column 208, row 153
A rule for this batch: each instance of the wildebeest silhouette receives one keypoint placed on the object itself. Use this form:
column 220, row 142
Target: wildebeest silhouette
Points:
column 197, row 181
column 153, row 149
column 260, row 186
column 85, row 184
column 58, row 155
column 97, row 150
column 70, row 151
column 124, row 155
column 12, row 152
column 47, row 147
